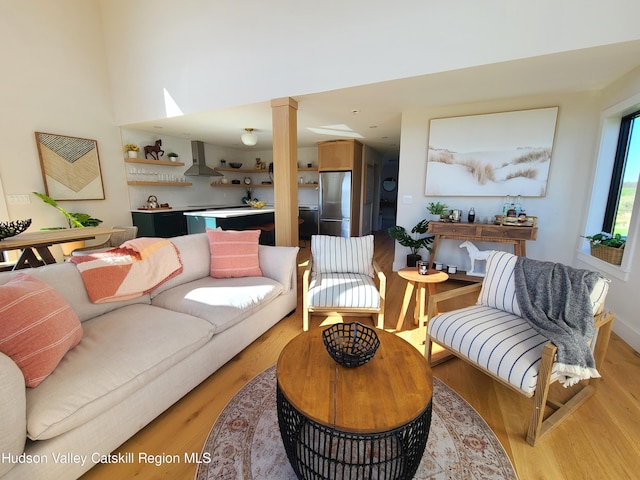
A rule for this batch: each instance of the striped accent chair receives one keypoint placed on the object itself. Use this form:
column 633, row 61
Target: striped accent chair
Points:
column 493, row 337
column 342, row 277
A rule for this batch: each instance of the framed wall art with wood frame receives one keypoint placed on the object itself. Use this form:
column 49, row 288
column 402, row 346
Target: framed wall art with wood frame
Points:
column 495, row 154
column 70, row 167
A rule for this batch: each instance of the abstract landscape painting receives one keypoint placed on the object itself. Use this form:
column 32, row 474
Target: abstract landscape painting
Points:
column 495, row 154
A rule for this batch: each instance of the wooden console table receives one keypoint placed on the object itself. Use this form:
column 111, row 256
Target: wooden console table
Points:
column 479, row 232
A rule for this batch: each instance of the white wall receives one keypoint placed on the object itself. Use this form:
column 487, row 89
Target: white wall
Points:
column 559, row 212
column 623, row 294
column 55, row 80
column 209, row 55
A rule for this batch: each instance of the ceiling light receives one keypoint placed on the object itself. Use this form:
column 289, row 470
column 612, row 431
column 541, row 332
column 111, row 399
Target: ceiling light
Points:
column 249, row 138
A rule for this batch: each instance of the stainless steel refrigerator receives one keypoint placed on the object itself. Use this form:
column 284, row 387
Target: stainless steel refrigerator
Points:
column 335, row 204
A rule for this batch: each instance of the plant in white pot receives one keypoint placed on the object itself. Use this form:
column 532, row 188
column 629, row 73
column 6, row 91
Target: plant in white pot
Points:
column 414, row 240
column 132, row 150
column 173, row 156
column 438, row 210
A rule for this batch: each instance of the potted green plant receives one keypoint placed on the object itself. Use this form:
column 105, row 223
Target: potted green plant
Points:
column 75, row 220
column 607, row 247
column 414, row 240
column 173, row 156
column 437, row 209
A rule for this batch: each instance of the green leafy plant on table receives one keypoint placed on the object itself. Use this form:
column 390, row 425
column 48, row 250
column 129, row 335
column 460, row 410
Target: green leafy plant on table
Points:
column 75, row 220
column 437, row 208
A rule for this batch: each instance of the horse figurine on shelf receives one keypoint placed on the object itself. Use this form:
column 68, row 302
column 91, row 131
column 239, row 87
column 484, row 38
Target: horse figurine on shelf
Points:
column 154, row 150
column 475, row 254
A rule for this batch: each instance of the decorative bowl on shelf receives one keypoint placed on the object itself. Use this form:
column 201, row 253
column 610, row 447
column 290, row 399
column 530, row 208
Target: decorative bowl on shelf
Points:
column 10, row 229
column 350, row 344
column 235, row 164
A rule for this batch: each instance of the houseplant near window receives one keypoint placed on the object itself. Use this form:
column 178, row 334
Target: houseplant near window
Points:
column 415, row 241
column 607, row 247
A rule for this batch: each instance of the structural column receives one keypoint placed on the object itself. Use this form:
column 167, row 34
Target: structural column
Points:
column 284, row 112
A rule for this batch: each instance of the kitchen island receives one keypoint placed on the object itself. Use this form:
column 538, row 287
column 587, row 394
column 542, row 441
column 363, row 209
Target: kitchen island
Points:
column 242, row 218
column 168, row 222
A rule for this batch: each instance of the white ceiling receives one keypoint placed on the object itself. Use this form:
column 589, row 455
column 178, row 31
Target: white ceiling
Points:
column 372, row 113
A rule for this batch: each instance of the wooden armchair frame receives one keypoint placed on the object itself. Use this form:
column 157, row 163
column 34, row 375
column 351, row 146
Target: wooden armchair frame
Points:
column 538, row 424
column 374, row 313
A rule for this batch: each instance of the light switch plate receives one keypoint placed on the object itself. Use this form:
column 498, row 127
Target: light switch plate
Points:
column 407, row 199
column 18, row 199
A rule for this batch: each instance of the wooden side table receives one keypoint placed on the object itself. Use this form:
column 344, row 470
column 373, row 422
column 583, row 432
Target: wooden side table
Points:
column 370, row 421
column 414, row 279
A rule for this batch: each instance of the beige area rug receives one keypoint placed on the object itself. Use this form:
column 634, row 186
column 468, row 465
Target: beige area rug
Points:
column 245, row 443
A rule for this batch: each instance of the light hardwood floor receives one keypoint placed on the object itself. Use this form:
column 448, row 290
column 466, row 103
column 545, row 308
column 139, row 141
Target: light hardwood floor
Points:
column 601, row 440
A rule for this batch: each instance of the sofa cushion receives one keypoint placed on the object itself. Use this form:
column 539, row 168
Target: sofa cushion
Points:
column 37, row 327
column 498, row 287
column 499, row 290
column 234, row 253
column 223, row 302
column 477, row 333
column 120, row 352
column 67, row 281
column 342, row 255
column 343, row 290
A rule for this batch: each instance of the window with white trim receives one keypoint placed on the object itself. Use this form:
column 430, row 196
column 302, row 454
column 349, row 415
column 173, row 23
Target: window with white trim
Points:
column 624, row 177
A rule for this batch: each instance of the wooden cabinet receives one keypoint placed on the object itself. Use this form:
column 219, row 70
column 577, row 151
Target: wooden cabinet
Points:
column 516, row 236
column 339, row 155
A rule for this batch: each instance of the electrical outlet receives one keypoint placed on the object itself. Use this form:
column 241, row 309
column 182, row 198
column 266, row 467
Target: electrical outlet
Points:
column 407, row 199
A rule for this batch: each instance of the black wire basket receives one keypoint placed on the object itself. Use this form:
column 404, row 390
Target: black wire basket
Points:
column 351, row 344
column 10, row 229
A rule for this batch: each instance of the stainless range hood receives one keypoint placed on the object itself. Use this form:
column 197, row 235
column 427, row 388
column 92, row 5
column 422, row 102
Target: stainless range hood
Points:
column 199, row 166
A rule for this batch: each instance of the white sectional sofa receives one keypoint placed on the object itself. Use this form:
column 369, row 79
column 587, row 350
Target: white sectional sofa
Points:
column 136, row 358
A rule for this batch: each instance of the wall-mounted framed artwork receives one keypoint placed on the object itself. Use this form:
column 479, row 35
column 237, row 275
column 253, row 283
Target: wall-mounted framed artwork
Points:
column 495, row 154
column 70, row 167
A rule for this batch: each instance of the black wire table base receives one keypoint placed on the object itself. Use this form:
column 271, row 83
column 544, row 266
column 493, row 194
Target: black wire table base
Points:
column 318, row 452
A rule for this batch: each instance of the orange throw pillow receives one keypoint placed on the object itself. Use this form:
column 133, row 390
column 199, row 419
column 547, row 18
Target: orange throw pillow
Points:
column 234, row 253
column 37, row 327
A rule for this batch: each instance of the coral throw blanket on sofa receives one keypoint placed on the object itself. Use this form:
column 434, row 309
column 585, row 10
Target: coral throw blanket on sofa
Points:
column 131, row 270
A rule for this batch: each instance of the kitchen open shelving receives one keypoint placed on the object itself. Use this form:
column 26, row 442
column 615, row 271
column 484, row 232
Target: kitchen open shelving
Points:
column 258, row 185
column 160, row 184
column 167, row 163
column 257, row 170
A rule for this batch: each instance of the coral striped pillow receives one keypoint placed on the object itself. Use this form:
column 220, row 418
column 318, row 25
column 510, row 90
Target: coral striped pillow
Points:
column 234, row 253
column 37, row 327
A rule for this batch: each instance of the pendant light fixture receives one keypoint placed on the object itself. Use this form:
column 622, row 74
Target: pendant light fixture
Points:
column 249, row 138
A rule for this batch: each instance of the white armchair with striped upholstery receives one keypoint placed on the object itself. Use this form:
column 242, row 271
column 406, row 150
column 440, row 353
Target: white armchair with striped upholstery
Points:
column 492, row 336
column 342, row 277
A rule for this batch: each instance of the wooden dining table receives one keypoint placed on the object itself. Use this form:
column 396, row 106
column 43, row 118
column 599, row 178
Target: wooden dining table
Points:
column 35, row 246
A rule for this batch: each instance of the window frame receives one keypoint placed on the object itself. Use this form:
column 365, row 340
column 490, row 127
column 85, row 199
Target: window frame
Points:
column 617, row 175
column 611, row 121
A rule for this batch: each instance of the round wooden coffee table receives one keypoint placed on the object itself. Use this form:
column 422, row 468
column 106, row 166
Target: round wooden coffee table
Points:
column 414, row 279
column 370, row 421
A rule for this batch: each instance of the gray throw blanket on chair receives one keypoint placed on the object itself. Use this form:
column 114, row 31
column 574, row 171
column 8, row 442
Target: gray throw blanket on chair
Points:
column 554, row 299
